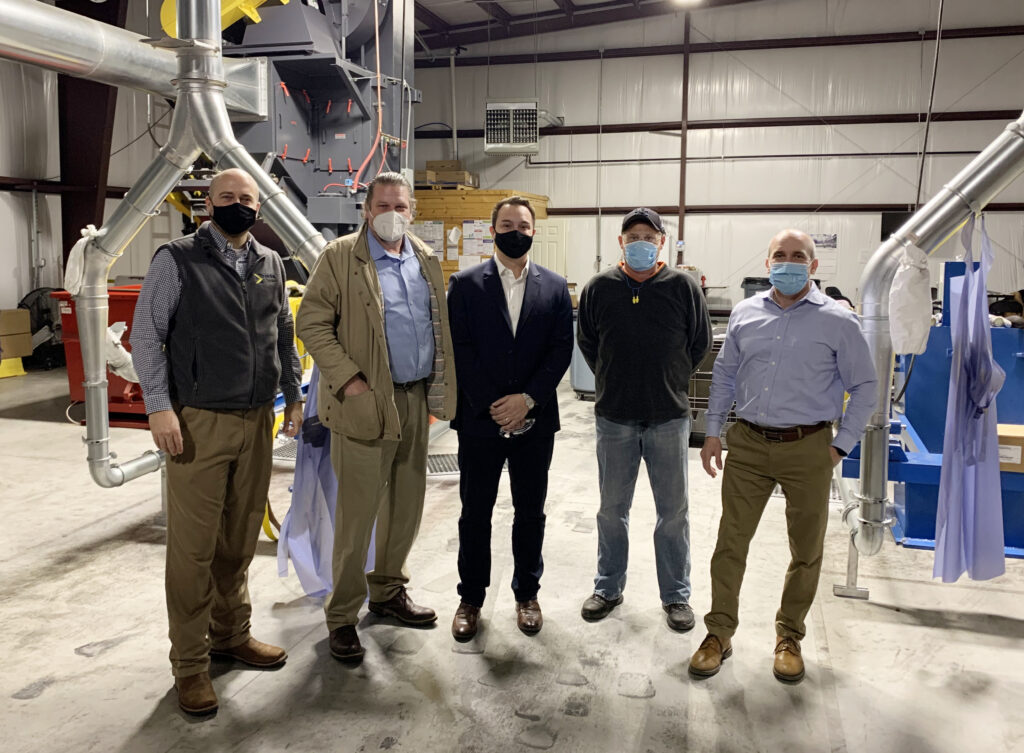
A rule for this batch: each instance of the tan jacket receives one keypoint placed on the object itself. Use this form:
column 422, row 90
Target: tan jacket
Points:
column 341, row 322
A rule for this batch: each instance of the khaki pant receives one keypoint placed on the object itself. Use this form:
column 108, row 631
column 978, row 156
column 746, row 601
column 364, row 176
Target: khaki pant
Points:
column 754, row 465
column 216, row 493
column 382, row 480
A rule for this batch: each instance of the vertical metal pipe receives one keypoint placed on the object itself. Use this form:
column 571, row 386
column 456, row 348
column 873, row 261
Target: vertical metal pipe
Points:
column 33, row 241
column 199, row 19
column 600, row 97
column 684, row 119
column 455, row 120
column 968, row 192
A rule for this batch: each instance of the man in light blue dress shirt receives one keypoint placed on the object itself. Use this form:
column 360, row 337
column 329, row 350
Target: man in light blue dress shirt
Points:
column 788, row 357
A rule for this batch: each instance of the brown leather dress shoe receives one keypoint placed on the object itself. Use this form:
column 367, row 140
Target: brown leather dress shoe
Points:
column 195, row 694
column 528, row 616
column 345, row 645
column 401, row 607
column 467, row 618
column 707, row 659
column 254, row 653
column 789, row 664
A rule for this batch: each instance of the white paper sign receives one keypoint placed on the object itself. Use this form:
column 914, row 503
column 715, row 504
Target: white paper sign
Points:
column 465, row 262
column 1010, row 453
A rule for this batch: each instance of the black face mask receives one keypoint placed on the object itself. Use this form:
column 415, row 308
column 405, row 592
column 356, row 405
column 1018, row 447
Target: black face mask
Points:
column 513, row 243
column 234, row 219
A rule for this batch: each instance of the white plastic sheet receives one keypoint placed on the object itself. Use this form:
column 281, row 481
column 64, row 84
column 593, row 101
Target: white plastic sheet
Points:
column 910, row 303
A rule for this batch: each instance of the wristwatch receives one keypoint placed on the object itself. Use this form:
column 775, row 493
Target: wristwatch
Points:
column 530, row 402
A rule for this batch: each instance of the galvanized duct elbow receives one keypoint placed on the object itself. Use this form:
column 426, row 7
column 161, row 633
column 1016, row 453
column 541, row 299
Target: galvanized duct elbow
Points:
column 200, row 120
column 59, row 40
column 972, row 188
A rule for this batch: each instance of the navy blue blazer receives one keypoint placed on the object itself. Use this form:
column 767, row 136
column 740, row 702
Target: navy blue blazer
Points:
column 490, row 363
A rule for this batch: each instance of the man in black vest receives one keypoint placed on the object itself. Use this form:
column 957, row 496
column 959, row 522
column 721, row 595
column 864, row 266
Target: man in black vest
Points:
column 212, row 340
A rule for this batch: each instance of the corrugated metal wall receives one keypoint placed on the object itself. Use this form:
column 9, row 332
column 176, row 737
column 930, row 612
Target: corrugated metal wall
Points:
column 974, row 74
column 866, row 79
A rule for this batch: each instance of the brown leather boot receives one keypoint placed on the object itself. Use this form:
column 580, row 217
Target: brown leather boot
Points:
column 789, row 664
column 707, row 659
column 344, row 644
column 528, row 617
column 196, row 695
column 402, row 608
column 254, row 653
column 465, row 624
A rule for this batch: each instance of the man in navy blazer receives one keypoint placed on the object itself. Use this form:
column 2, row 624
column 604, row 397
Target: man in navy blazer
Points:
column 511, row 323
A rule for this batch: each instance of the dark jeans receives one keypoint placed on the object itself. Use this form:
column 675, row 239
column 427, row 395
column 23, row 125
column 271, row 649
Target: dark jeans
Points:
column 480, row 463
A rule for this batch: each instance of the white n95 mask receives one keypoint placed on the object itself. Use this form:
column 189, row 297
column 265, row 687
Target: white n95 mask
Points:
column 390, row 226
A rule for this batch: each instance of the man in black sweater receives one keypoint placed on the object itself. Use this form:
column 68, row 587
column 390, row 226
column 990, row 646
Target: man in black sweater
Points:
column 643, row 328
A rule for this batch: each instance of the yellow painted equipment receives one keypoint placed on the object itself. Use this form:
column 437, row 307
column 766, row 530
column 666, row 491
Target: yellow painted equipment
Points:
column 230, row 12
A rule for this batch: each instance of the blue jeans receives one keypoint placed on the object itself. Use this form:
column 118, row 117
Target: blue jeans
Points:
column 663, row 447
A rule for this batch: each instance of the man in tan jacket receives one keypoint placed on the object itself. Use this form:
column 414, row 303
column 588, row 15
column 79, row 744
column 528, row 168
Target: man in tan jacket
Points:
column 375, row 320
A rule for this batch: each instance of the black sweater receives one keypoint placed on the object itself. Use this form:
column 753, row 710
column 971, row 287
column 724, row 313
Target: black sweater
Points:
column 644, row 353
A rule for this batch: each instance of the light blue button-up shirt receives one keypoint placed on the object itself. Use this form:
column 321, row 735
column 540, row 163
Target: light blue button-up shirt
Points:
column 790, row 367
column 407, row 324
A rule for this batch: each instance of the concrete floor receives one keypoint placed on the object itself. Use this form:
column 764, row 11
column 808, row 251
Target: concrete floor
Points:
column 920, row 667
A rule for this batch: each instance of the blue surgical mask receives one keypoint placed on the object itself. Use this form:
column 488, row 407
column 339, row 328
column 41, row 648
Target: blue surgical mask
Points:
column 640, row 255
column 789, row 277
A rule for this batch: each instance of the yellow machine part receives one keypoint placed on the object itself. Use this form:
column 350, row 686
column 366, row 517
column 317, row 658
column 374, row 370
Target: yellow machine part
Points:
column 178, row 200
column 230, row 11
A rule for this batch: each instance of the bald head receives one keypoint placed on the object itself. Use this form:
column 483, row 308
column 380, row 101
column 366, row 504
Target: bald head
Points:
column 236, row 182
column 790, row 240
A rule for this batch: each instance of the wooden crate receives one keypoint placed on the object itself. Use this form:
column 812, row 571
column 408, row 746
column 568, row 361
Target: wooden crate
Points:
column 445, row 164
column 454, row 207
column 425, row 176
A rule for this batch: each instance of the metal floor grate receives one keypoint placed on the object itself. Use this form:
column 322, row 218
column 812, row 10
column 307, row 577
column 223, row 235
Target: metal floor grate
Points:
column 286, row 450
column 442, row 465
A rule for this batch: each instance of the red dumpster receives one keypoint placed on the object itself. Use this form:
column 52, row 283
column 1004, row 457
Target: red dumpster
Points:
column 124, row 398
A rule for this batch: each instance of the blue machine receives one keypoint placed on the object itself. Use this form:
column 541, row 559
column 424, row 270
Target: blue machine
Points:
column 916, row 464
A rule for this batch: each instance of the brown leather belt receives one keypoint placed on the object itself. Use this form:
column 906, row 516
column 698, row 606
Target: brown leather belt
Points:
column 406, row 386
column 790, row 434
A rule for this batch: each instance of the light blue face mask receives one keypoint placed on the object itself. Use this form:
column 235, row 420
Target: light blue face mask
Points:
column 640, row 255
column 789, row 277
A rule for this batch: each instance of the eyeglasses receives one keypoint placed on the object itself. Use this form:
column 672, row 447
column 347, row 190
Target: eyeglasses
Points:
column 649, row 238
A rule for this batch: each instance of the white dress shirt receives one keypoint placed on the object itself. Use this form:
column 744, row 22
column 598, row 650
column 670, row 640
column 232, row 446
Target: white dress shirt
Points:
column 514, row 289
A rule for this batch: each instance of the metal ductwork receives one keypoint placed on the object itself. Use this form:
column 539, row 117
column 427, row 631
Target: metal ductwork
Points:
column 968, row 193
column 200, row 123
column 39, row 34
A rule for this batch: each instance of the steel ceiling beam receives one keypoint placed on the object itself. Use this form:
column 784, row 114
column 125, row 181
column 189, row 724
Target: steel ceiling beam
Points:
column 567, row 7
column 613, row 11
column 431, row 20
column 494, row 10
column 786, row 43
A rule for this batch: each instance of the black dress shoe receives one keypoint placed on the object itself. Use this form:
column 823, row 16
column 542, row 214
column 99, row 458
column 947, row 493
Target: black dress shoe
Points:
column 528, row 616
column 345, row 645
column 597, row 607
column 680, row 616
column 401, row 607
column 466, row 622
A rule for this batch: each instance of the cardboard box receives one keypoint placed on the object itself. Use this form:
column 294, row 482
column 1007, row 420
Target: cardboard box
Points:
column 445, row 164
column 462, row 177
column 15, row 346
column 1011, row 447
column 15, row 322
column 425, row 176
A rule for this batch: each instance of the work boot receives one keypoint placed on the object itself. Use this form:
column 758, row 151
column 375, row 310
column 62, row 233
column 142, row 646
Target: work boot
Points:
column 789, row 664
column 707, row 659
column 254, row 653
column 597, row 607
column 196, row 695
column 402, row 608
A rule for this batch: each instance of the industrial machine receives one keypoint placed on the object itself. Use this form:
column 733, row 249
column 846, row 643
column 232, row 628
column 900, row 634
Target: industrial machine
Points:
column 916, row 432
